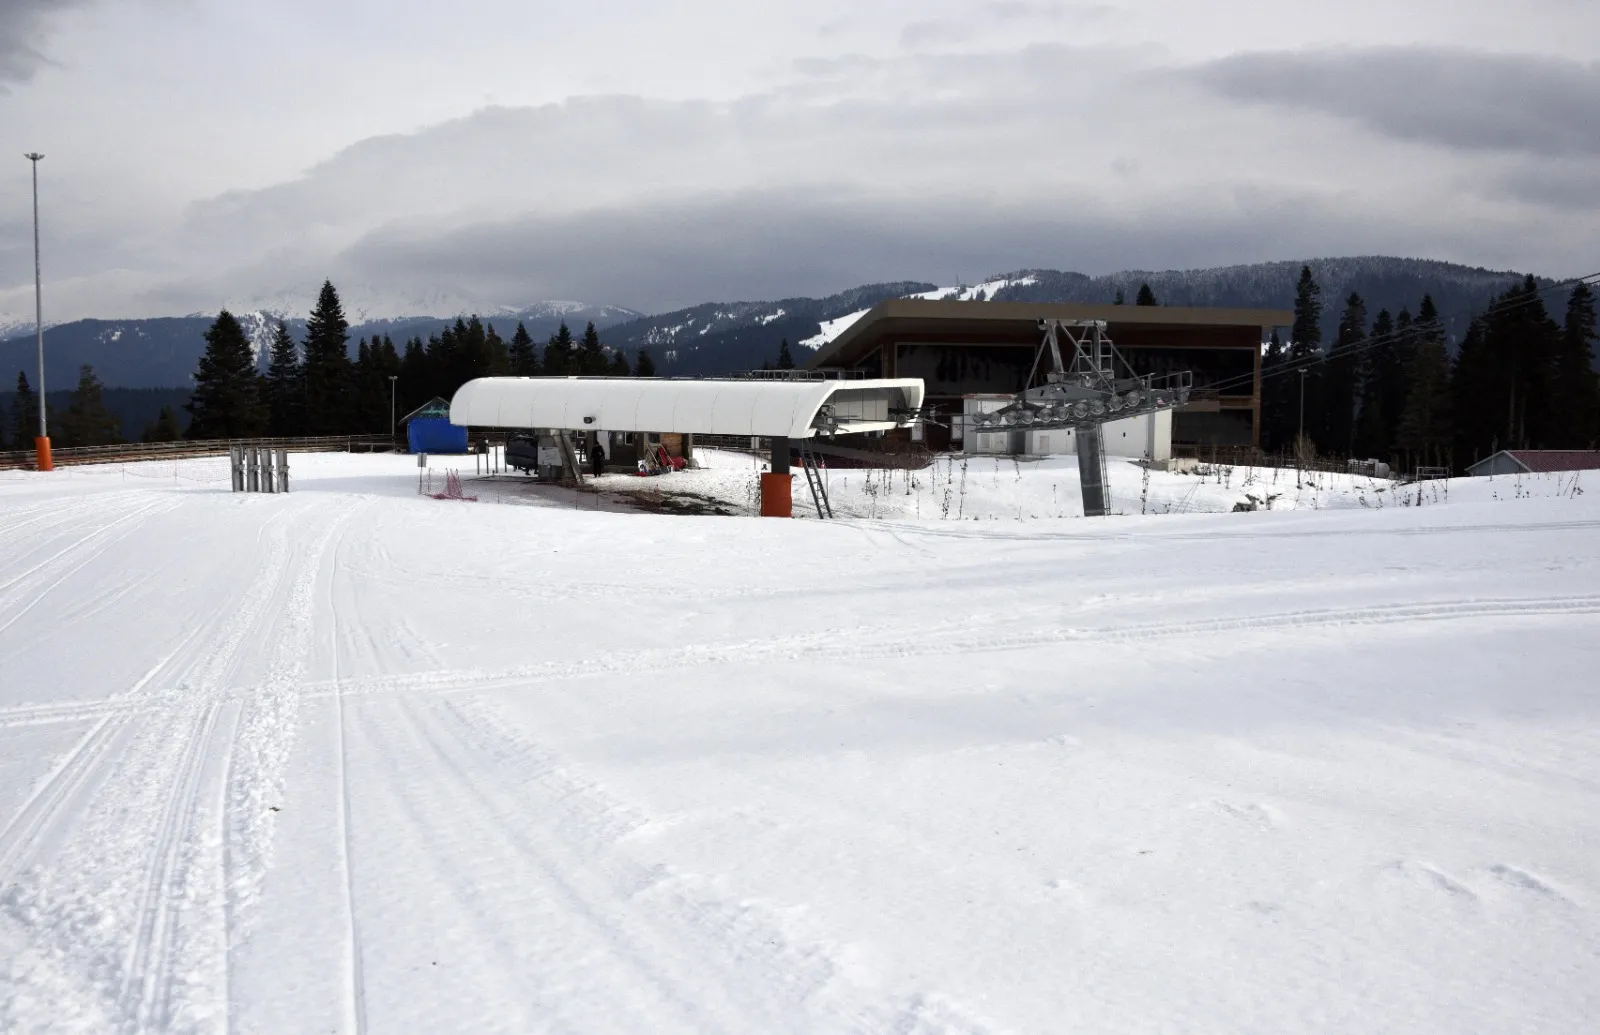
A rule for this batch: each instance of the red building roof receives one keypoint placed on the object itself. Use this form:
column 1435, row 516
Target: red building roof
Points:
column 1543, row 460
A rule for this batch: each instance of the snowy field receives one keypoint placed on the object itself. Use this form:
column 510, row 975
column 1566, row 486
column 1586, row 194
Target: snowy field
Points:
column 353, row 760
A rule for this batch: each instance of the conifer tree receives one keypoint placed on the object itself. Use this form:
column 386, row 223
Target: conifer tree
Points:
column 1145, row 296
column 1477, row 397
column 363, row 388
column 1305, row 349
column 1425, row 433
column 1340, row 384
column 227, row 397
column 524, row 363
column 1575, row 401
column 560, row 359
column 785, row 361
column 645, row 367
column 619, row 364
column 284, row 388
column 1521, row 341
column 327, row 371
column 414, row 376
column 87, row 421
column 1118, row 299
column 24, row 413
column 499, row 355
column 1375, row 425
column 1277, row 422
column 591, row 357
column 165, row 428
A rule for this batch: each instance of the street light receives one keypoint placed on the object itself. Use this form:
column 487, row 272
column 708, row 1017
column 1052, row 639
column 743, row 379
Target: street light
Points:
column 1302, row 405
column 42, row 443
column 392, row 379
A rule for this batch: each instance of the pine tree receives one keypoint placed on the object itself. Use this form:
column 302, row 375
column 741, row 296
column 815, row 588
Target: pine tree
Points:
column 327, row 372
column 1575, row 401
column 1522, row 341
column 227, row 398
column 1145, row 296
column 1305, row 350
column 165, row 428
column 785, row 361
column 1277, row 420
column 499, row 352
column 1375, row 425
column 1340, row 384
column 1425, row 432
column 1477, row 395
column 645, row 367
column 87, row 421
column 364, row 389
column 284, row 387
column 415, row 376
column 591, row 357
column 24, row 413
column 559, row 357
column 1118, row 300
column 524, row 363
column 619, row 364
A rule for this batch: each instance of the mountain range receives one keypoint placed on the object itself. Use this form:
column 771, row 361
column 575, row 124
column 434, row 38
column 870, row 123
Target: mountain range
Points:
column 723, row 337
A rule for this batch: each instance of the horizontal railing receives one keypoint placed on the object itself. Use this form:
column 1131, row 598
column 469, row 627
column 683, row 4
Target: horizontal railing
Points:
column 67, row 456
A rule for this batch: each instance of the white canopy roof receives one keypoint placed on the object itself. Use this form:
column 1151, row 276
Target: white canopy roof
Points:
column 703, row 407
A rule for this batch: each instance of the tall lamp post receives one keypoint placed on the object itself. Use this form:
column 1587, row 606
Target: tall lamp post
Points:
column 42, row 443
column 1302, row 406
column 392, row 379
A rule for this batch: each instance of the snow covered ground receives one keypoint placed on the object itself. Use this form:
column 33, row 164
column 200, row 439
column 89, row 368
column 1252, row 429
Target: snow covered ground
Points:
column 354, row 760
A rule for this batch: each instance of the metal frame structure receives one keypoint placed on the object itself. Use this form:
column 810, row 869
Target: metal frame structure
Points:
column 1098, row 386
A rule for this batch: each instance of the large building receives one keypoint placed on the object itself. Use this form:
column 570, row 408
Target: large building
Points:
column 962, row 349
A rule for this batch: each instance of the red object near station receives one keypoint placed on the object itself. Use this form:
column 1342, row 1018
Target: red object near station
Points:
column 777, row 495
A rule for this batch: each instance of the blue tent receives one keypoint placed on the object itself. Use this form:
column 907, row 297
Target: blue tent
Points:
column 428, row 429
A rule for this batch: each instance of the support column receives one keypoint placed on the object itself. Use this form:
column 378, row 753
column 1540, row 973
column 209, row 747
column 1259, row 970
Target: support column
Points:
column 42, row 458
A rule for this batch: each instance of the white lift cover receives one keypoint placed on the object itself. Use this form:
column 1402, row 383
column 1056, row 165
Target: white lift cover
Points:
column 697, row 407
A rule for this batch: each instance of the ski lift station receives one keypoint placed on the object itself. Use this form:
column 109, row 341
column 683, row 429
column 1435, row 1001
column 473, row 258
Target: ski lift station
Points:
column 786, row 411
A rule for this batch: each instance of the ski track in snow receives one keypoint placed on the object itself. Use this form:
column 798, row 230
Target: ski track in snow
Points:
column 138, row 805
column 481, row 871
column 858, row 644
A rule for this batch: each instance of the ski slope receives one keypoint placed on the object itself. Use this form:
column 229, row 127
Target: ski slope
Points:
column 351, row 760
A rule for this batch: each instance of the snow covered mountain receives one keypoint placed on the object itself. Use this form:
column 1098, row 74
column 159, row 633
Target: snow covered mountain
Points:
column 720, row 337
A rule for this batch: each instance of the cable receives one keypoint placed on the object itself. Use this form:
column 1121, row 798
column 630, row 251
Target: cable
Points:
column 1368, row 342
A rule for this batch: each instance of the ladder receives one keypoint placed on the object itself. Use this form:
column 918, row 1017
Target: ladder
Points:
column 819, row 488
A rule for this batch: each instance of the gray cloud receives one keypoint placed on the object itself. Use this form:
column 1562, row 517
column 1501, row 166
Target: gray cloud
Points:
column 24, row 24
column 1470, row 100
column 772, row 243
column 996, row 14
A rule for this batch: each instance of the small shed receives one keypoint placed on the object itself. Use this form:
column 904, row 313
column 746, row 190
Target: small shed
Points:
column 428, row 429
column 1536, row 461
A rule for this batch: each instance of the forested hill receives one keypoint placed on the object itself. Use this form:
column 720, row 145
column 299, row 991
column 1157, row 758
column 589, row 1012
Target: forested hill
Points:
column 720, row 337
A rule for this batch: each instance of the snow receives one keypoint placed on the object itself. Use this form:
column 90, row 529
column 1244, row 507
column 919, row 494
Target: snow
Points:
column 828, row 330
column 352, row 759
column 831, row 329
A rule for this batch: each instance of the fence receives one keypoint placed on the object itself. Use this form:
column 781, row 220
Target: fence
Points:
column 24, row 459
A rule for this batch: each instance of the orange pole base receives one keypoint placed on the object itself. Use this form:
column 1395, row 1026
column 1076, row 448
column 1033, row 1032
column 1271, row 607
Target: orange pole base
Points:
column 44, row 462
column 777, row 495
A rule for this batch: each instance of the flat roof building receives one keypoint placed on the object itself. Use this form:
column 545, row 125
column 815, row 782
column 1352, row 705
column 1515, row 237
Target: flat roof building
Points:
column 967, row 348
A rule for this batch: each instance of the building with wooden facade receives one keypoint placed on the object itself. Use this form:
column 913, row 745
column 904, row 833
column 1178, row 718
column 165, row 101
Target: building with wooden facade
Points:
column 960, row 349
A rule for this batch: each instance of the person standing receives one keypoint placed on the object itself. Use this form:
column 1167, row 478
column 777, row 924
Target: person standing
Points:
column 597, row 456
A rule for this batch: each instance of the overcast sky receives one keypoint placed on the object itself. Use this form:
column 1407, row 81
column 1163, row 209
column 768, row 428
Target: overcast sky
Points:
column 432, row 156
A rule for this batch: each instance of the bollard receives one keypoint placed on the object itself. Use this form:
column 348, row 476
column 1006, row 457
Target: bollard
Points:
column 777, row 495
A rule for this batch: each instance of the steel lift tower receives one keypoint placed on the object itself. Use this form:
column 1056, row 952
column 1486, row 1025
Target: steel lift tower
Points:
column 1084, row 392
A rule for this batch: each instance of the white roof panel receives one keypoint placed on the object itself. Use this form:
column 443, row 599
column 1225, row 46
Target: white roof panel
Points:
column 705, row 407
